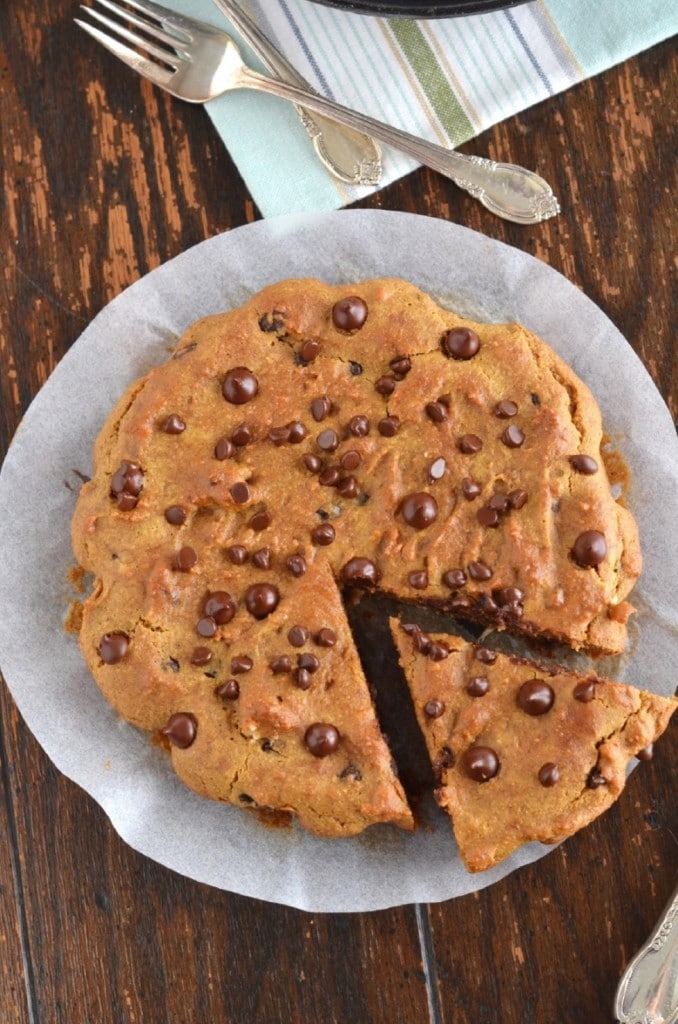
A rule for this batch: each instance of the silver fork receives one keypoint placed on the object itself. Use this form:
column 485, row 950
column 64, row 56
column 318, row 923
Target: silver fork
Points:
column 196, row 62
column 351, row 156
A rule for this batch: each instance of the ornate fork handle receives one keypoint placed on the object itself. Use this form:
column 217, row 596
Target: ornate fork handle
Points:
column 648, row 990
column 511, row 192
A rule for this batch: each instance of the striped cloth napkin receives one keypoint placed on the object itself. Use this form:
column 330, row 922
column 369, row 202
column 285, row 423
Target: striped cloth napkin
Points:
column 445, row 80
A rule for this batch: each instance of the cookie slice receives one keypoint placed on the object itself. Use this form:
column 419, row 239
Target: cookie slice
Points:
column 521, row 752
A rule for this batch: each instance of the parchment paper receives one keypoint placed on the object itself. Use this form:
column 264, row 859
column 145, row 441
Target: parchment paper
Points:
column 119, row 766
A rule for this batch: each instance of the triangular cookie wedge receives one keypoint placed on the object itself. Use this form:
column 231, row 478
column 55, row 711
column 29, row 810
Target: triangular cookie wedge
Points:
column 521, row 751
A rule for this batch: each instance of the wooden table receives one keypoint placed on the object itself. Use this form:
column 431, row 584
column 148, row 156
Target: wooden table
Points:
column 104, row 178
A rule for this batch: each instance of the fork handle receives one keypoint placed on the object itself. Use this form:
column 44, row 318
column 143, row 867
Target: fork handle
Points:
column 511, row 192
column 648, row 989
column 350, row 155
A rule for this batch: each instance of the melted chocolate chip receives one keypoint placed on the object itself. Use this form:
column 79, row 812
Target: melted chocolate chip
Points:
column 220, row 606
column 460, row 343
column 310, row 350
column 329, row 476
column 262, row 558
column 646, row 753
column 239, row 386
column 589, row 549
column 499, row 502
column 454, row 578
column 323, row 535
column 487, row 516
column 280, row 665
column 260, row 521
column 584, row 464
column 436, row 411
column 325, row 637
column 241, row 663
column 261, row 599
column 321, row 408
column 436, row 471
column 271, row 322
column 175, row 515
column 419, row 510
column 224, row 449
column 385, row 385
column 237, row 554
column 508, row 595
column 585, row 691
column 401, row 365
column 359, row 426
column 470, row 489
column 327, row 440
column 349, row 314
column 322, row 739
column 485, row 655
column 434, row 708
column 481, row 763
column 298, row 636
column 174, row 424
column 240, row 493
column 362, row 571
column 505, row 409
column 595, row 779
column 477, row 686
column 296, row 565
column 549, row 774
column 479, row 571
column 469, row 444
column 437, row 651
column 535, row 697
column 185, row 559
column 517, row 498
column 201, row 656
column 513, row 437
column 113, row 647
column 388, row 426
column 230, row 690
column 126, row 485
column 181, row 730
column 350, row 460
column 351, row 772
column 418, row 579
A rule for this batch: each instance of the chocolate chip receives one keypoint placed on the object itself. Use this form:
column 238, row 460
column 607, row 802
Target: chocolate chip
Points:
column 261, row 599
column 646, row 753
column 323, row 535
column 174, row 424
column 327, row 440
column 401, row 365
column 260, row 521
column 477, row 686
column 347, row 487
column 460, row 343
column 313, row 463
column 487, row 605
column 508, row 595
column 434, row 708
column 262, row 558
column 309, row 662
column 296, row 432
column 322, row 739
column 230, row 690
column 280, row 665
column 349, row 314
column 479, row 571
column 505, row 409
column 436, row 411
column 206, row 626
column 237, row 554
column 585, row 691
column 595, row 779
column 469, row 444
column 513, row 436
column 359, row 426
column 470, row 489
column 499, row 502
column 296, row 565
column 302, row 678
column 126, row 502
column 185, row 559
column 220, row 606
column 126, row 485
column 517, row 498
column 325, row 637
column 388, row 426
column 298, row 636
column 437, row 651
column 241, row 663
column 481, row 763
column 535, row 697
column 351, row 772
column 175, row 515
column 535, row 399
column 350, row 460
column 485, row 655
column 224, row 449
column 360, row 570
column 181, row 730
column 201, row 656
column 419, row 510
column 329, row 476
column 322, row 514
column 584, row 464
column 385, row 385
column 240, row 493
column 320, row 408
column 549, row 774
column 310, row 350
column 589, row 549
column 418, row 579
column 355, row 369
column 454, row 578
column 270, row 322
column 113, row 647
column 436, row 471
column 239, row 386
column 487, row 516
column 278, row 435
column 242, row 435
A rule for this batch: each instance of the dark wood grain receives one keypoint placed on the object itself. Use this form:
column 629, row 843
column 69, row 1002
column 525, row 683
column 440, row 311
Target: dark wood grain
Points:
column 104, row 178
